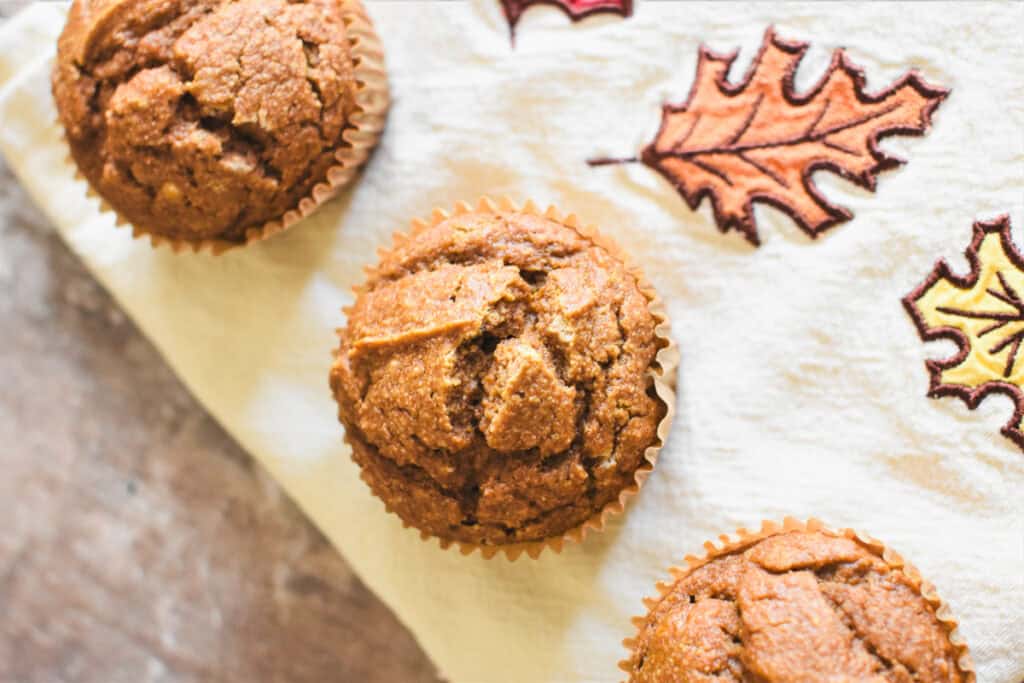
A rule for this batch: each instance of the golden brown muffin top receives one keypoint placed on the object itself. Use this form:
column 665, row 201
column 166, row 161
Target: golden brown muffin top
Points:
column 800, row 607
column 200, row 119
column 495, row 378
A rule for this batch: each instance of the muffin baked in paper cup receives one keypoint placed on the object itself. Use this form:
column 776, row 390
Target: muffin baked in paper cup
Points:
column 743, row 539
column 359, row 138
column 663, row 372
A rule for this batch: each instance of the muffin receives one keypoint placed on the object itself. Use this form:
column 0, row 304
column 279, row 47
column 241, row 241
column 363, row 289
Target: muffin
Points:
column 499, row 378
column 793, row 604
column 217, row 121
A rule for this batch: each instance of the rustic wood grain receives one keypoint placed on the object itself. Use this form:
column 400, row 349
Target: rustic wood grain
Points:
column 139, row 543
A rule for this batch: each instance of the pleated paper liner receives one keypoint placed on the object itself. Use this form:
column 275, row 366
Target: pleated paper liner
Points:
column 663, row 373
column 360, row 137
column 743, row 539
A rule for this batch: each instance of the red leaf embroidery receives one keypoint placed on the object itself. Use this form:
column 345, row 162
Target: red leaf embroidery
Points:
column 761, row 141
column 574, row 9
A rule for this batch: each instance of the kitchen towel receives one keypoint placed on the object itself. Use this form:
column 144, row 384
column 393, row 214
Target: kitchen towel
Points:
column 802, row 385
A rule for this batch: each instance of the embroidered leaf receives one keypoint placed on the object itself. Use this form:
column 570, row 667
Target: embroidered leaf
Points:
column 574, row 9
column 761, row 141
column 984, row 314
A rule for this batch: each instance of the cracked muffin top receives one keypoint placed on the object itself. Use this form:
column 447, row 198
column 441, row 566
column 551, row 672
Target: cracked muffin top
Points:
column 495, row 379
column 200, row 119
column 800, row 607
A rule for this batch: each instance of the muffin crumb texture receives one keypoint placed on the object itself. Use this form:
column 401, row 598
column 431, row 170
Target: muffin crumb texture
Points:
column 800, row 607
column 201, row 119
column 495, row 379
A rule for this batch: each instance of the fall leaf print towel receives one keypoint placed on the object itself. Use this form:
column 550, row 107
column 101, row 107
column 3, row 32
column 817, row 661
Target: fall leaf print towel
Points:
column 802, row 376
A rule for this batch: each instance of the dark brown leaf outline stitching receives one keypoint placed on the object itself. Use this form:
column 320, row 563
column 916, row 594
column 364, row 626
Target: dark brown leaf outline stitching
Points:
column 936, row 388
column 514, row 10
column 868, row 180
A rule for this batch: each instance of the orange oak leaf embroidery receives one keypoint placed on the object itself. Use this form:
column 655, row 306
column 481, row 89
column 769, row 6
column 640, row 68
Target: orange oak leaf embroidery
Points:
column 574, row 9
column 759, row 140
column 984, row 314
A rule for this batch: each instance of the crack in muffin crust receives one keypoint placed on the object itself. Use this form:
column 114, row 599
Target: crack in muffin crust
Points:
column 203, row 119
column 801, row 606
column 494, row 379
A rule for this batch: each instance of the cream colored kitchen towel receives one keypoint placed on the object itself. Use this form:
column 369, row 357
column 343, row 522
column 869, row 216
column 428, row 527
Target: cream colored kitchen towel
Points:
column 802, row 386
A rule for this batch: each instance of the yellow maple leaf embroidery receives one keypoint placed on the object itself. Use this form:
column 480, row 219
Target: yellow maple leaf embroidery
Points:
column 984, row 314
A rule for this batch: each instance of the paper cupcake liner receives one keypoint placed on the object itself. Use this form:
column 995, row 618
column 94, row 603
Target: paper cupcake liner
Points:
column 743, row 539
column 360, row 138
column 664, row 375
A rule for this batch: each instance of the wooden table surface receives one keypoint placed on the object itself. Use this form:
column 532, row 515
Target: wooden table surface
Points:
column 139, row 542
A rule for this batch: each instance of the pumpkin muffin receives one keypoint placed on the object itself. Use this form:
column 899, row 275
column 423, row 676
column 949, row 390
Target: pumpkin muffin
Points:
column 496, row 379
column 799, row 605
column 206, row 120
